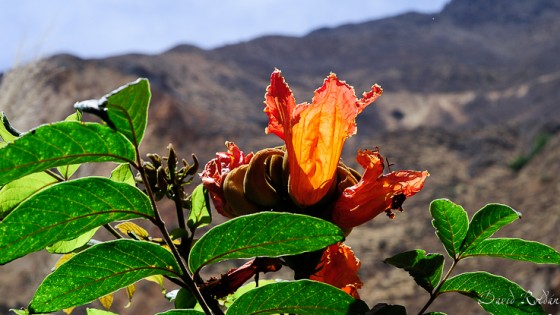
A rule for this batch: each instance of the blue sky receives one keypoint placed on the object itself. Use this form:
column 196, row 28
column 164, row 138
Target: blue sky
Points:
column 99, row 28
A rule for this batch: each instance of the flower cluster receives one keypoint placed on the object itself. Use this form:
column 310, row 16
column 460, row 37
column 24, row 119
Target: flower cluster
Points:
column 306, row 175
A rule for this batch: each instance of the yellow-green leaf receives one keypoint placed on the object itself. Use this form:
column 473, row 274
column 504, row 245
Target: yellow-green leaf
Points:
column 13, row 193
column 63, row 247
column 106, row 301
column 129, row 228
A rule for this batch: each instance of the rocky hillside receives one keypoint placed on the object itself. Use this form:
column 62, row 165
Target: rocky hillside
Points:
column 467, row 91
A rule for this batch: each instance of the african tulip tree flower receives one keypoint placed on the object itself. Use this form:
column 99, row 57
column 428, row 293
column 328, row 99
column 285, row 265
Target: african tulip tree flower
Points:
column 375, row 192
column 215, row 172
column 339, row 267
column 314, row 133
column 307, row 176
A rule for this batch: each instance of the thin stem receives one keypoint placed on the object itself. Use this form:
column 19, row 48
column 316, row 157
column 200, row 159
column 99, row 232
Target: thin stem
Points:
column 55, row 175
column 185, row 241
column 435, row 292
column 112, row 231
column 158, row 221
column 179, row 208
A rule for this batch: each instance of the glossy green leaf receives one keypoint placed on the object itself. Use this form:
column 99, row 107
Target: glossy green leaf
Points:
column 125, row 109
column 182, row 312
column 64, row 247
column 387, row 309
column 495, row 294
column 62, row 143
column 297, row 297
column 20, row 312
column 13, row 193
column 64, row 210
column 68, row 170
column 93, row 311
column 451, row 223
column 123, row 174
column 514, row 248
column 200, row 214
column 268, row 234
column 101, row 270
column 486, row 222
column 426, row 269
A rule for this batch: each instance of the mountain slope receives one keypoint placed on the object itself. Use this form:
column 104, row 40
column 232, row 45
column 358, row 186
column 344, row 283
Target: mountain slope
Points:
column 466, row 91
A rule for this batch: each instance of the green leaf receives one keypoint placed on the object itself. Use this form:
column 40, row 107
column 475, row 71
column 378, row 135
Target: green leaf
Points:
column 13, row 193
column 181, row 312
column 435, row 313
column 125, row 109
column 200, row 214
column 101, row 270
column 123, row 174
column 93, row 311
column 64, row 210
column 514, row 248
column 425, row 269
column 268, row 234
column 68, row 170
column 486, row 222
column 451, row 223
column 60, row 144
column 184, row 299
column 65, row 247
column 7, row 132
column 20, row 312
column 387, row 309
column 495, row 294
column 76, row 116
column 297, row 297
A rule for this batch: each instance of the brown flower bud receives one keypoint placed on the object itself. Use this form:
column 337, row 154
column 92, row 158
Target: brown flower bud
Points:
column 234, row 194
column 275, row 171
column 257, row 184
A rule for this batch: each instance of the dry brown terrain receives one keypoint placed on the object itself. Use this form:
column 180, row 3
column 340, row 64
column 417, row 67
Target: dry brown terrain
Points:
column 466, row 92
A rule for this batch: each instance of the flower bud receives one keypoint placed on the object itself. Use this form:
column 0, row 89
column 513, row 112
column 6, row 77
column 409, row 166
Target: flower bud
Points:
column 155, row 158
column 234, row 194
column 257, row 185
column 276, row 174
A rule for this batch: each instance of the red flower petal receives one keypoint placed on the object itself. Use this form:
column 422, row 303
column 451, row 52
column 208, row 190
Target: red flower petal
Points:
column 339, row 267
column 280, row 104
column 216, row 171
column 375, row 193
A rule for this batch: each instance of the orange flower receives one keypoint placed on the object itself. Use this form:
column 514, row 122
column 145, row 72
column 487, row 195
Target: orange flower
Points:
column 314, row 133
column 375, row 192
column 339, row 267
column 215, row 172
